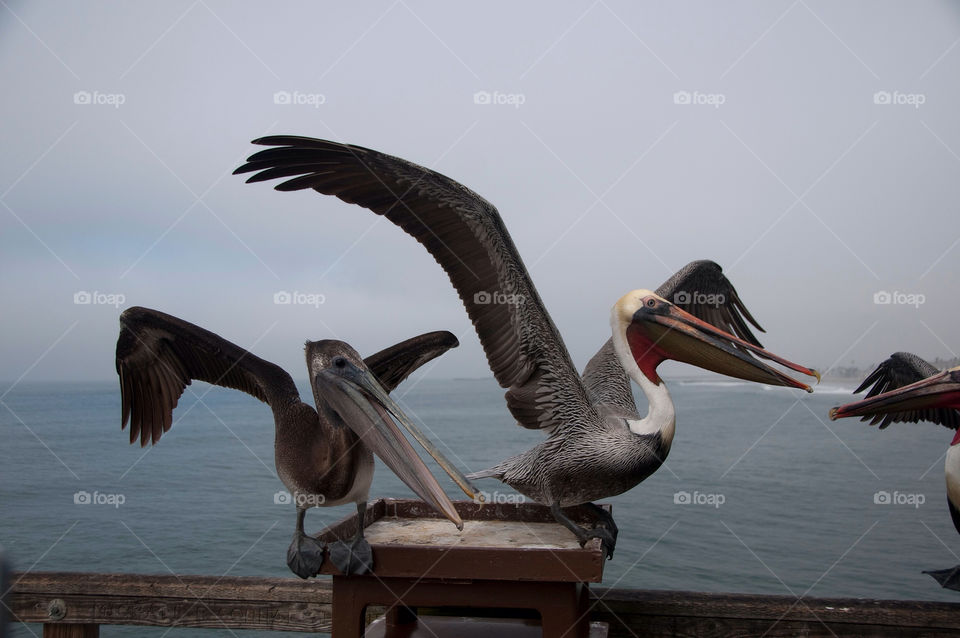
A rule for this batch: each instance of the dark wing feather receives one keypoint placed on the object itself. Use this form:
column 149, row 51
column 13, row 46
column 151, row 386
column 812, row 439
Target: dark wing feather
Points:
column 158, row 355
column 704, row 291
column 699, row 288
column 900, row 369
column 394, row 364
column 466, row 236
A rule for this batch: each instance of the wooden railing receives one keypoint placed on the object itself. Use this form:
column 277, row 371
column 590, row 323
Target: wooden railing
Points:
column 76, row 604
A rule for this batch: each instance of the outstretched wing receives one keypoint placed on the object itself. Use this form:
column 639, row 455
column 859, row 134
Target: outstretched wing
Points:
column 467, row 237
column 704, row 291
column 900, row 369
column 701, row 289
column 158, row 355
column 394, row 364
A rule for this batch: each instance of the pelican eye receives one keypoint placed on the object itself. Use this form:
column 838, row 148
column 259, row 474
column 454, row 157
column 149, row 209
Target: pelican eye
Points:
column 651, row 303
column 340, row 362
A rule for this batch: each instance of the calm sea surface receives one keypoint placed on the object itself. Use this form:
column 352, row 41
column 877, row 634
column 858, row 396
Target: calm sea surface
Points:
column 781, row 500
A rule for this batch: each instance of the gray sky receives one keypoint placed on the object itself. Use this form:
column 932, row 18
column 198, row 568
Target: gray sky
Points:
column 811, row 148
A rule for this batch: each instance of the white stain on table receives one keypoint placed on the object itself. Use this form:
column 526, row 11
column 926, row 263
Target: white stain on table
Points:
column 400, row 531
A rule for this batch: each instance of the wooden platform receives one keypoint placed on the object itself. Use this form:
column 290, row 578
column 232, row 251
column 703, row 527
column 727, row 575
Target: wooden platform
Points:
column 506, row 542
column 514, row 557
column 442, row 533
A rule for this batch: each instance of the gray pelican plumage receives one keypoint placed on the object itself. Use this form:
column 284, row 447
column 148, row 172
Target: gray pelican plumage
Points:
column 598, row 444
column 323, row 454
column 905, row 388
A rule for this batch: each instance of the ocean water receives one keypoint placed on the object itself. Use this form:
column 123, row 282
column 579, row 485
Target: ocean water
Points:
column 761, row 492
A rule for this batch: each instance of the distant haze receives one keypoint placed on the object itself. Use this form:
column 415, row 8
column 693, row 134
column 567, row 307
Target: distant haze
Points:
column 810, row 148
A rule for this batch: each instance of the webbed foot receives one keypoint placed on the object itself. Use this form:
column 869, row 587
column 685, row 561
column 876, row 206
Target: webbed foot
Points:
column 305, row 556
column 353, row 558
column 948, row 578
column 605, row 519
column 608, row 540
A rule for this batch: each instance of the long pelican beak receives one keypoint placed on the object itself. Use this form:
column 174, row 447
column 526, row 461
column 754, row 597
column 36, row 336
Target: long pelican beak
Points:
column 659, row 330
column 940, row 390
column 369, row 411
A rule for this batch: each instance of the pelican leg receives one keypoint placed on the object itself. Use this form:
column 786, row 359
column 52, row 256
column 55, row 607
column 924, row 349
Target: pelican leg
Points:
column 305, row 554
column 607, row 539
column 355, row 557
column 948, row 578
column 605, row 519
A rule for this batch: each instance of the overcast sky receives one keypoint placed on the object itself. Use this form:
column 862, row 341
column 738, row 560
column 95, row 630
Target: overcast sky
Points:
column 811, row 148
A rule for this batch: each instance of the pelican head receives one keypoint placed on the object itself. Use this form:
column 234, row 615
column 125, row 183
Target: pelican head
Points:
column 341, row 380
column 938, row 391
column 655, row 329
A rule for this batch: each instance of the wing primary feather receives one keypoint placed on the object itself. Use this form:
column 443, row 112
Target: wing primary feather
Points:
column 898, row 370
column 467, row 237
column 157, row 357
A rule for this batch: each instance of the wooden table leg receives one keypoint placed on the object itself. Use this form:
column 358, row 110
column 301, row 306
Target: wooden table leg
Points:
column 564, row 613
column 70, row 630
column 349, row 605
column 563, row 607
column 400, row 616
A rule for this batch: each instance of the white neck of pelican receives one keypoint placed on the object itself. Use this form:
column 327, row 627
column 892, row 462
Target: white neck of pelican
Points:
column 952, row 474
column 661, row 416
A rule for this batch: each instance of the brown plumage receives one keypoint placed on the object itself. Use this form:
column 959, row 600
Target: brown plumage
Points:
column 323, row 454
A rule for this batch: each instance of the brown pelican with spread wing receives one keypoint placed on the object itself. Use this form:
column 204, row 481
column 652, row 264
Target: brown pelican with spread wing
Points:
column 598, row 444
column 905, row 388
column 324, row 455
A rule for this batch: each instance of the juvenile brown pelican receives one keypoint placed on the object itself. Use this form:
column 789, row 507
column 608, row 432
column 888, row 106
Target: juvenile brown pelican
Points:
column 908, row 389
column 324, row 456
column 598, row 444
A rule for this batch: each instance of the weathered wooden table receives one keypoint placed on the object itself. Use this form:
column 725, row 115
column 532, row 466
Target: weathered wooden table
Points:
column 508, row 557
